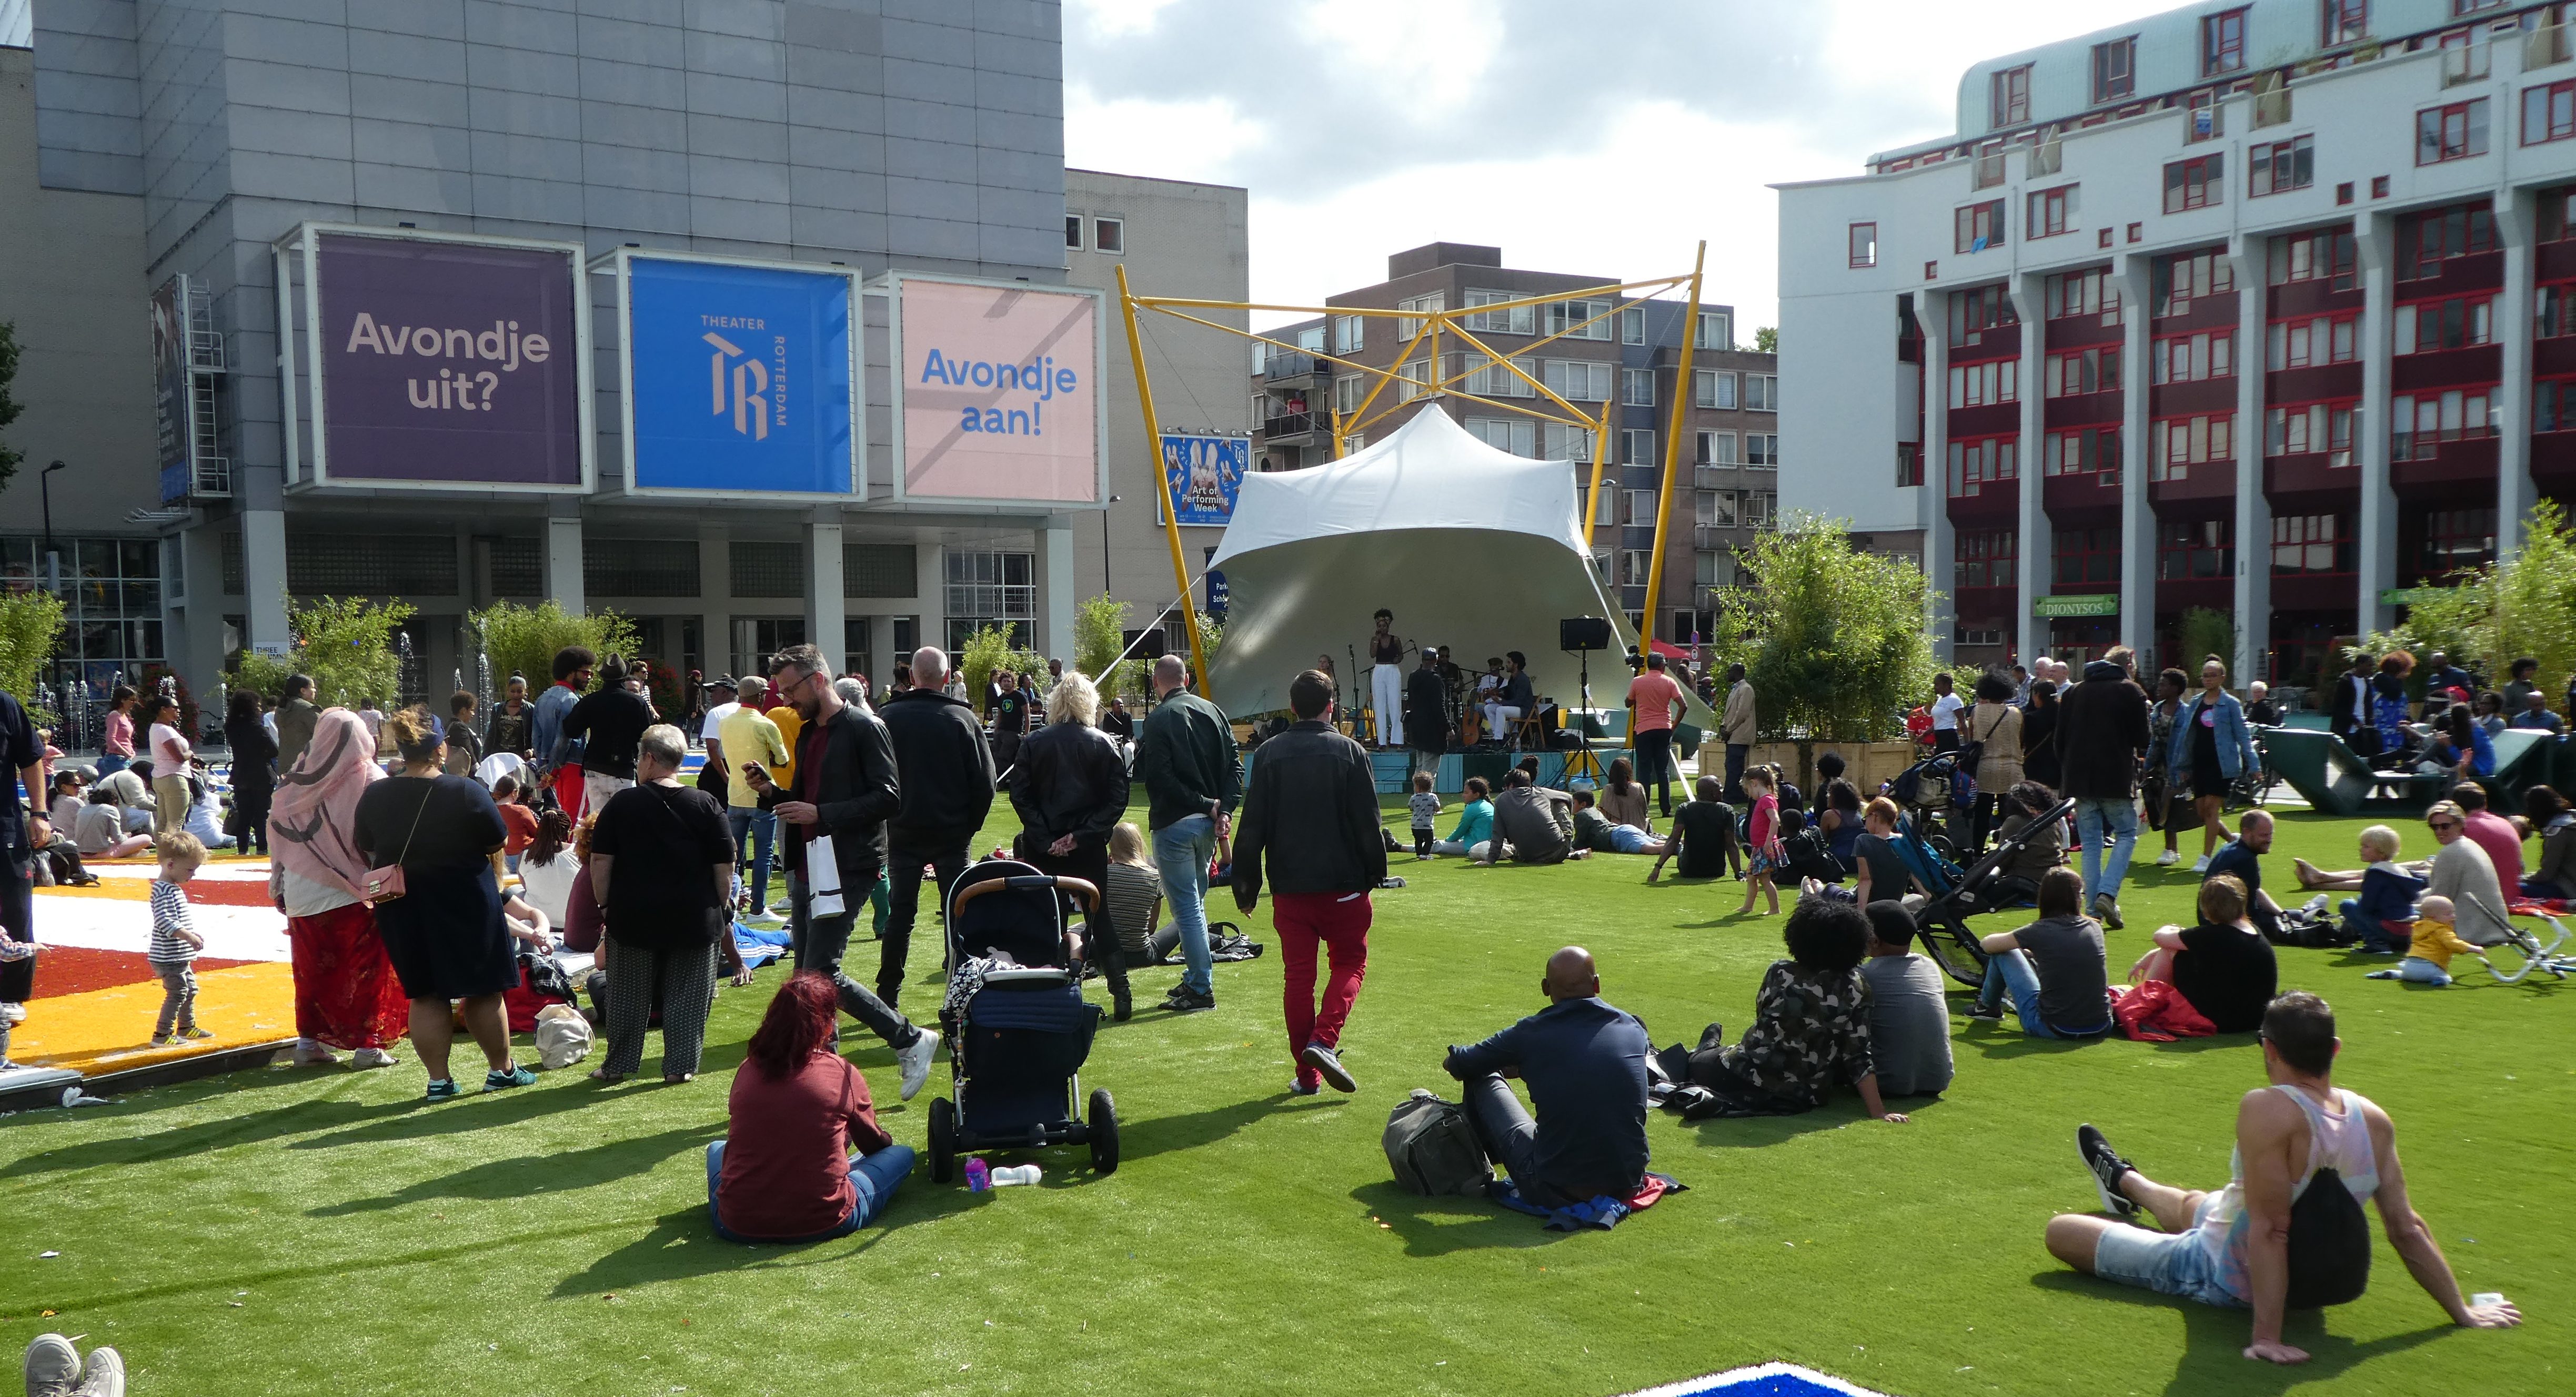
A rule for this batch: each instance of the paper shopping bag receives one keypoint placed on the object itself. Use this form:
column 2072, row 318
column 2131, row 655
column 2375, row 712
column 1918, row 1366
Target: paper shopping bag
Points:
column 823, row 880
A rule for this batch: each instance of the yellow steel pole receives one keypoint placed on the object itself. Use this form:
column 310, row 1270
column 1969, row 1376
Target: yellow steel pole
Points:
column 1162, row 482
column 1682, row 387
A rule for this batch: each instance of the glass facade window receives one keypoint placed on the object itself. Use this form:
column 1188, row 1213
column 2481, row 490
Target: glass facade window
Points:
column 2313, row 545
column 2195, row 548
column 990, row 588
column 111, row 594
column 2088, row 556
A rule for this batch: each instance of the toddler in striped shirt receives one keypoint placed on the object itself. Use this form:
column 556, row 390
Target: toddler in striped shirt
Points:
column 175, row 942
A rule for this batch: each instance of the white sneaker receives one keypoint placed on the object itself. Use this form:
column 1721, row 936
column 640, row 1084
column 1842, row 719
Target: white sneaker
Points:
column 53, row 1367
column 371, row 1057
column 2168, row 859
column 106, row 1375
column 309, row 1053
column 915, row 1062
column 2202, row 866
column 13, row 1012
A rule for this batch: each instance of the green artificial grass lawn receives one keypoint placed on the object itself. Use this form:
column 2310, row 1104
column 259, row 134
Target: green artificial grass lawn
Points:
column 320, row 1231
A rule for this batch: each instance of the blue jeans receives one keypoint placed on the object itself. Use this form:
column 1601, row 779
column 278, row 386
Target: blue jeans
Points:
column 1181, row 853
column 762, row 827
column 2010, row 973
column 2373, row 933
column 873, row 1178
column 110, row 763
column 2121, row 819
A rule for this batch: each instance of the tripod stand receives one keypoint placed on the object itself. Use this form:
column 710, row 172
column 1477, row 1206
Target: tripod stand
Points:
column 1581, row 760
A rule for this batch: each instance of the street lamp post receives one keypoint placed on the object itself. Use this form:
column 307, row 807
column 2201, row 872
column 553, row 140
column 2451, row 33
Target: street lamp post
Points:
column 53, row 556
column 1104, row 546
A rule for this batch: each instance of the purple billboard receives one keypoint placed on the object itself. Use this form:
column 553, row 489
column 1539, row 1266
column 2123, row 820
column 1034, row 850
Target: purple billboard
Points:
column 447, row 363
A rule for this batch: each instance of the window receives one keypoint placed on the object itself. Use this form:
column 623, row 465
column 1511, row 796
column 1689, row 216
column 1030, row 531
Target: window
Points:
column 2312, row 429
column 1413, row 380
column 1637, row 387
column 1407, row 329
column 2196, row 183
column 2455, row 322
column 1716, row 330
column 1260, row 357
column 2555, row 315
column 2192, row 358
column 1517, row 435
column 2345, row 22
column 1637, row 508
column 1715, row 449
column 2008, row 97
column 1637, row 446
column 1760, row 508
column 2313, row 340
column 1352, row 445
column 2206, row 120
column 2115, row 69
column 1518, row 320
column 1577, row 380
column 1761, row 392
column 2222, row 43
column 2470, row 7
column 1632, row 325
column 1714, row 388
column 2424, row 241
column 1608, row 513
column 2548, row 112
column 1311, row 339
column 1350, row 333
column 1559, row 442
column 1487, row 378
column 2052, row 211
column 1635, row 566
column 989, row 589
column 2195, row 548
column 2553, row 405
column 2175, row 280
column 1981, row 385
column 2082, row 293
column 1109, row 235
column 1073, row 232
column 1761, row 450
column 1972, row 312
column 1909, row 464
column 2453, row 132
column 1979, row 462
column 2312, row 257
column 2176, row 444
column 1579, row 320
column 1348, row 390
column 2088, row 555
column 2081, row 371
column 1985, row 557
column 2419, row 423
column 2085, row 451
column 2313, row 544
column 2455, row 540
column 1719, row 508
column 2281, row 166
column 1980, row 226
column 1864, row 245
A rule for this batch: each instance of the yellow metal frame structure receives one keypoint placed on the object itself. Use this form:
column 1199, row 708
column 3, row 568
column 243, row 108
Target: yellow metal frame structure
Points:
column 1422, row 331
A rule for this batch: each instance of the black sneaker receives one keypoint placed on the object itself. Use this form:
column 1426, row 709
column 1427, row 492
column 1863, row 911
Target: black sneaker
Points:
column 1183, row 1000
column 1328, row 1065
column 2107, row 1167
column 1990, row 1012
column 1122, row 1005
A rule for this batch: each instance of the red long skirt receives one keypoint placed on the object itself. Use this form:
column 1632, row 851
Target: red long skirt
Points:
column 346, row 995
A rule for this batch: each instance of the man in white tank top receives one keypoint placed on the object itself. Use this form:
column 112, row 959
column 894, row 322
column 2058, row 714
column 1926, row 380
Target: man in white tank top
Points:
column 2231, row 1248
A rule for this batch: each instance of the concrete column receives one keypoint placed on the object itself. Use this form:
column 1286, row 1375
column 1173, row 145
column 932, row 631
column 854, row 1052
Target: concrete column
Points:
column 563, row 558
column 2253, row 506
column 2513, row 449
column 2032, row 541
column 2137, row 515
column 930, row 563
column 715, row 600
column 1940, row 547
column 1057, row 593
column 825, row 607
column 2377, row 526
column 263, row 581
column 193, row 637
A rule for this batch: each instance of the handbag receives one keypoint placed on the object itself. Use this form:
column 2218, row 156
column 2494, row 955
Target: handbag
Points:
column 823, row 879
column 386, row 884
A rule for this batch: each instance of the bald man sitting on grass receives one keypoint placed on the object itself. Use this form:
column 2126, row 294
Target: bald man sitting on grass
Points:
column 1585, row 1065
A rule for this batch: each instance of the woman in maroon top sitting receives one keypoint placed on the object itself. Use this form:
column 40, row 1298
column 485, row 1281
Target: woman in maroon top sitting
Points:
column 783, row 1173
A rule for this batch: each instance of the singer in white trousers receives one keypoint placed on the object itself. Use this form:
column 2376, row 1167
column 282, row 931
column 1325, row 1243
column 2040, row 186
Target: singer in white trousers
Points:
column 1386, row 693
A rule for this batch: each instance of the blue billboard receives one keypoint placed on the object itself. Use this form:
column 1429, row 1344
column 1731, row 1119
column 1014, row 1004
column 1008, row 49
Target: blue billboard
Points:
column 1201, row 475
column 738, row 378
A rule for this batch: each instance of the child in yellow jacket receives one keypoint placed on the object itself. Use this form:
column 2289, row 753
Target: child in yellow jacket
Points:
column 2428, row 960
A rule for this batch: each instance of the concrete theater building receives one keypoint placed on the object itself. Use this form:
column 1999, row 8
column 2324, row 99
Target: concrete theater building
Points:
column 759, row 322
column 2260, row 308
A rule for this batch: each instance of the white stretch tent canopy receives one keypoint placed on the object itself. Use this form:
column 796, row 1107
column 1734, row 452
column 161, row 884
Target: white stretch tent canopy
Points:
column 1472, row 548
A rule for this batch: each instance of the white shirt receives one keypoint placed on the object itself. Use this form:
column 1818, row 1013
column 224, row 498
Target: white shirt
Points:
column 707, row 729
column 1945, row 712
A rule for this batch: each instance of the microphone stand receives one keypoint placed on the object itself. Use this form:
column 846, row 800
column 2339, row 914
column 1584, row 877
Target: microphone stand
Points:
column 1352, row 651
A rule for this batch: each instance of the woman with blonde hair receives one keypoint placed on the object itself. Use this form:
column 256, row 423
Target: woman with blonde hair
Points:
column 1070, row 790
column 1134, row 891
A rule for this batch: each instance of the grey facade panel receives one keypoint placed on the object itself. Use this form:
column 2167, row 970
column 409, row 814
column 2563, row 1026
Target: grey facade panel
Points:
column 718, row 95
column 519, row 26
column 930, row 198
column 927, row 121
column 837, row 190
column 282, row 132
column 620, row 168
column 929, row 159
column 312, row 11
column 286, row 41
column 670, row 12
column 835, row 150
column 1011, row 92
column 262, row 175
column 749, row 19
column 1020, row 247
column 93, row 94
column 839, row 111
column 942, row 42
column 1017, row 169
column 637, row 210
column 97, row 55
column 293, row 85
column 528, row 157
column 435, row 19
column 833, row 28
column 1028, row 18
column 524, row 113
column 413, row 187
column 522, row 70
column 1011, row 53
column 738, row 219
column 844, row 72
column 1012, row 131
column 93, row 133
column 625, row 41
column 908, row 235
column 838, row 230
column 645, row 128
column 733, row 138
column 928, row 82
column 57, row 168
column 406, row 99
column 418, row 144
column 714, row 178
column 761, row 60
column 527, row 200
column 406, row 56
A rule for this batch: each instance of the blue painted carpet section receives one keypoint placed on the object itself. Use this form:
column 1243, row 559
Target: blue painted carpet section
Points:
column 1768, row 1380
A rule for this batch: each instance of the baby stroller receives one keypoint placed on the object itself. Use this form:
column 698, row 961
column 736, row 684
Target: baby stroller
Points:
column 1924, row 792
column 1017, row 1027
column 1943, row 922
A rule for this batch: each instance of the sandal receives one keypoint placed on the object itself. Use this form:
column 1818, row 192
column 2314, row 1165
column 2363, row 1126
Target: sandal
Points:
column 605, row 1077
column 677, row 1079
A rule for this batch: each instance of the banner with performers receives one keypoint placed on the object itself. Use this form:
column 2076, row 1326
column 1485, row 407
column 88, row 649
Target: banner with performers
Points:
column 1203, row 474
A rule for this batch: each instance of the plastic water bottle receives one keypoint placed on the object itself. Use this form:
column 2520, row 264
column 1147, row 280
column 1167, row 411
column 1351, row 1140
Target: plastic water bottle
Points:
column 979, row 1175
column 1016, row 1174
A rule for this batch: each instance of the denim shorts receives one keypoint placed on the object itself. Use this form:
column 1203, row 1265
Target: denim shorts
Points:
column 1628, row 839
column 2168, row 1263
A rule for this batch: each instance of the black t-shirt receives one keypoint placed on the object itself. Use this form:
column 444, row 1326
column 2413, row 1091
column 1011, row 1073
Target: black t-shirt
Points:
column 458, row 825
column 2229, row 975
column 1889, row 878
column 1705, row 828
column 614, row 722
column 662, row 892
column 1011, row 712
column 19, row 750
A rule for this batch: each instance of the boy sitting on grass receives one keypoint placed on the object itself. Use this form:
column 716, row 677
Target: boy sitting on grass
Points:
column 2380, row 917
column 175, row 942
column 2428, row 962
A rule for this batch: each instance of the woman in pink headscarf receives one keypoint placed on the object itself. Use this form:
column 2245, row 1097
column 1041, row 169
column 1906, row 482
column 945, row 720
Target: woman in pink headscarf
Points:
column 346, row 995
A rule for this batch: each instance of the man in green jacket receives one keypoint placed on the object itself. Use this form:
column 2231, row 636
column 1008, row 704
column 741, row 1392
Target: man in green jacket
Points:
column 1185, row 756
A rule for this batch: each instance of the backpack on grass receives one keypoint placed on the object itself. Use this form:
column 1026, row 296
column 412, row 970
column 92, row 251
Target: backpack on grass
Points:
column 1432, row 1147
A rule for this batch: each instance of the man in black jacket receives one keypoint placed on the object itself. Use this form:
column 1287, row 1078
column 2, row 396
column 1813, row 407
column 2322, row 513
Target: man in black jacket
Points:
column 1070, row 793
column 1185, row 757
column 1312, row 811
column 2348, row 707
column 845, row 787
column 946, row 773
column 2101, row 731
column 1426, row 711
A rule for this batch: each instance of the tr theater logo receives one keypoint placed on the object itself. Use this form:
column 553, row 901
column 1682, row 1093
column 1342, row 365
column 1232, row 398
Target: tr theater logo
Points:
column 755, row 393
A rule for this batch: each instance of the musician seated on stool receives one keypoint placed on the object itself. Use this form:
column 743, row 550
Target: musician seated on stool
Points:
column 1510, row 699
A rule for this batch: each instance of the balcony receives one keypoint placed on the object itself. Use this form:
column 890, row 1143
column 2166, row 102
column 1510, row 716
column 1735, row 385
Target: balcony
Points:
column 2546, row 46
column 1712, row 538
column 1292, row 365
column 1288, row 427
column 1707, row 476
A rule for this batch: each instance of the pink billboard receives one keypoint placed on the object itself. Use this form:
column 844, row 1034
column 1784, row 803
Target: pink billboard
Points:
column 1001, row 392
